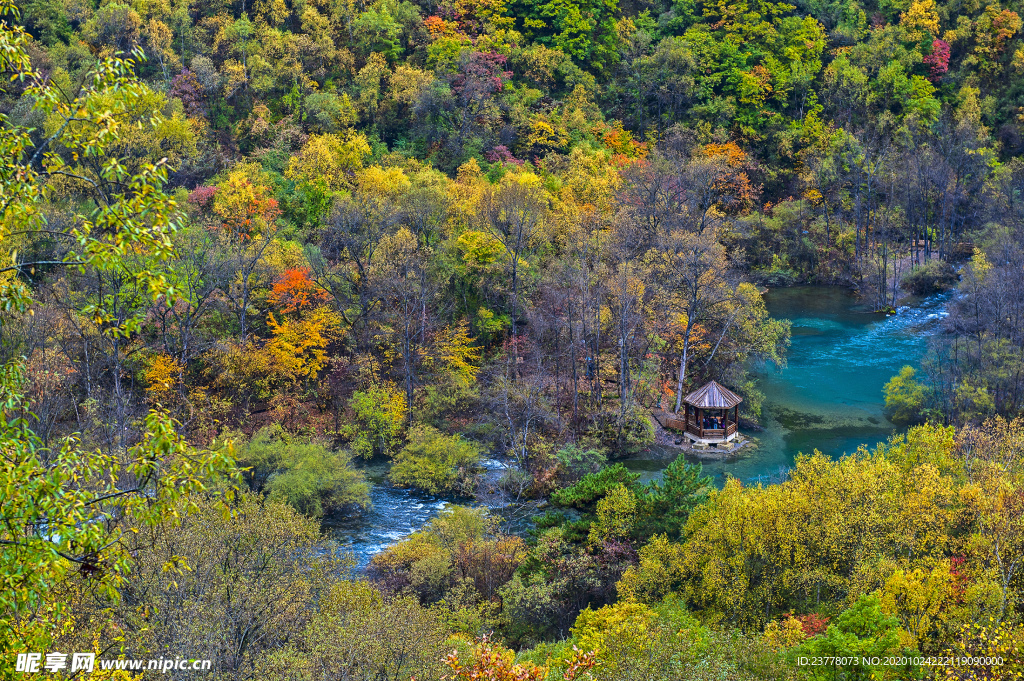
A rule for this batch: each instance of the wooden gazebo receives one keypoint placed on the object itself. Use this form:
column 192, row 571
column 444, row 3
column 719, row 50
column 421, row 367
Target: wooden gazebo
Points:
column 711, row 413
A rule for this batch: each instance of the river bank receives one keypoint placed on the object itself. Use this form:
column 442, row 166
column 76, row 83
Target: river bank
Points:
column 828, row 397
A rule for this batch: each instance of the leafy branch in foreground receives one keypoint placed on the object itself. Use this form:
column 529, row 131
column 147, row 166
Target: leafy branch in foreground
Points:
column 117, row 206
column 63, row 506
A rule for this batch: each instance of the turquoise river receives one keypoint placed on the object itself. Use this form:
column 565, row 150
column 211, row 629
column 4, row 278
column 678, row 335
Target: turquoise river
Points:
column 829, row 395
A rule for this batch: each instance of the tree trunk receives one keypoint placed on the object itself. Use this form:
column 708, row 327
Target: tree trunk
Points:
column 682, row 368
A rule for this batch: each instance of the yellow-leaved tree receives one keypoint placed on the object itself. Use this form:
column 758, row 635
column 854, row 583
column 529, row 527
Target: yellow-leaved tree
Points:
column 871, row 523
column 326, row 160
column 452, row 365
column 323, row 167
column 162, row 375
column 298, row 348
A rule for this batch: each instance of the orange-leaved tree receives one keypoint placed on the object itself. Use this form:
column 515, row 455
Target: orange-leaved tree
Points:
column 494, row 663
column 294, row 291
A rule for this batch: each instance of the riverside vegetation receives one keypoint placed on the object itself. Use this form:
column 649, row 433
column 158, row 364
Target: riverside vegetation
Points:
column 249, row 246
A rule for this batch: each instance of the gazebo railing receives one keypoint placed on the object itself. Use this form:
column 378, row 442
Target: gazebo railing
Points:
column 694, row 428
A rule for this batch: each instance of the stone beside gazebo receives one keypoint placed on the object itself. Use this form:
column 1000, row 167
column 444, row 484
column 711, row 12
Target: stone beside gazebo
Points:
column 709, row 416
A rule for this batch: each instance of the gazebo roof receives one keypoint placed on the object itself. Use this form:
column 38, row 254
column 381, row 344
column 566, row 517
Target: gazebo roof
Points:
column 713, row 395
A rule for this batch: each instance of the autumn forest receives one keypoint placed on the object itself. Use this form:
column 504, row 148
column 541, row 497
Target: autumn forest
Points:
column 262, row 259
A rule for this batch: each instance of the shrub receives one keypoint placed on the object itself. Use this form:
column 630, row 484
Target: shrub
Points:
column 620, row 633
column 662, row 642
column 932, row 277
column 379, row 413
column 359, row 633
column 460, row 556
column 392, row 569
column 262, row 568
column 784, row 634
column 905, row 398
column 436, row 463
column 487, row 661
column 320, row 482
column 637, row 429
column 516, row 483
column 307, row 475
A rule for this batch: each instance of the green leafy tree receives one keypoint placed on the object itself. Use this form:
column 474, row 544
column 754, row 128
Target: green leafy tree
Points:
column 586, row 493
column 669, row 503
column 863, row 631
column 436, row 463
column 586, row 30
column 379, row 414
column 379, row 32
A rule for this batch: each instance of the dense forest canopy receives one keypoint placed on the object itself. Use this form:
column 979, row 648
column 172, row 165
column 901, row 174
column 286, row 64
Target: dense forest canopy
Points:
column 252, row 248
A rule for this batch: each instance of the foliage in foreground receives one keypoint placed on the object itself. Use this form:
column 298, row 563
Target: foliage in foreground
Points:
column 65, row 505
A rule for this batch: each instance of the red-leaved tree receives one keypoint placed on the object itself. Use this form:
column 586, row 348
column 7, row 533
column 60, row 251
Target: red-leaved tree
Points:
column 938, row 61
